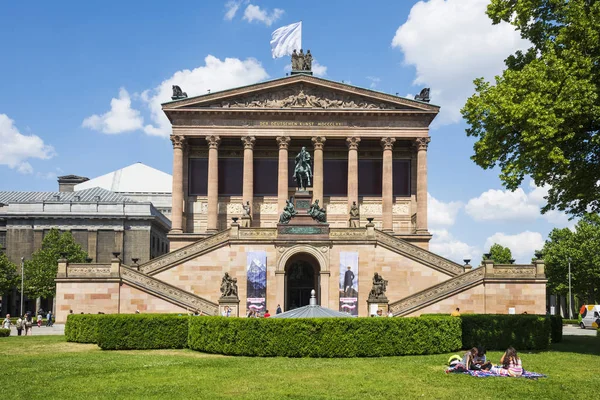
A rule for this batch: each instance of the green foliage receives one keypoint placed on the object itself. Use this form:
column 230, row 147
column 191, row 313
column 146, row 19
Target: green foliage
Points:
column 40, row 271
column 498, row 332
column 9, row 278
column 500, row 254
column 4, row 332
column 142, row 331
column 82, row 328
column 324, row 337
column 556, row 328
column 570, row 322
column 581, row 247
column 542, row 115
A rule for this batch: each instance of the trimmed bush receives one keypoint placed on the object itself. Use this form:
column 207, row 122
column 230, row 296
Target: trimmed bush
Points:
column 556, row 324
column 498, row 332
column 4, row 332
column 142, row 331
column 568, row 321
column 82, row 328
column 324, row 337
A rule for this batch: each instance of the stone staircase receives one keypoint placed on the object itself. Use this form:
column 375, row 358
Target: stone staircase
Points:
column 170, row 293
column 183, row 254
column 438, row 292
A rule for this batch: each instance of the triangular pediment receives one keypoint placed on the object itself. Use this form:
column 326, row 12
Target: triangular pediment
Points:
column 300, row 92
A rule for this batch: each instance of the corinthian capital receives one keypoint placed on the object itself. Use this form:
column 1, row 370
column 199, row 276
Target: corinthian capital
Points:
column 283, row 141
column 248, row 142
column 422, row 143
column 178, row 141
column 388, row 143
column 213, row 141
column 318, row 142
column 353, row 142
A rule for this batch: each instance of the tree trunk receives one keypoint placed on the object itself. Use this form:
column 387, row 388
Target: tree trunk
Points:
column 38, row 304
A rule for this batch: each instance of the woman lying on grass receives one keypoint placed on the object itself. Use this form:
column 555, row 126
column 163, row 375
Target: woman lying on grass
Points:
column 510, row 364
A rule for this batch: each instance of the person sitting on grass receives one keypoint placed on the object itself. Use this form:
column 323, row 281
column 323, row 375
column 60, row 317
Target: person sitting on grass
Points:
column 480, row 360
column 468, row 358
column 510, row 364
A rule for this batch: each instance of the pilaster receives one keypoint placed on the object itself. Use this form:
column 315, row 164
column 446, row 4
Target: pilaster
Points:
column 248, row 182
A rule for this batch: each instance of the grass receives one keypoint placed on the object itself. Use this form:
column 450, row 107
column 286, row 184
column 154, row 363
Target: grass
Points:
column 57, row 369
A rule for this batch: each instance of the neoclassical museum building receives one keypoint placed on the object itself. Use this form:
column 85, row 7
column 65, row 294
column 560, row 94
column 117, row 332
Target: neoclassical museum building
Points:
column 357, row 234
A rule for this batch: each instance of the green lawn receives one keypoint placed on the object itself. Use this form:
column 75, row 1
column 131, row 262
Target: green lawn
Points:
column 48, row 367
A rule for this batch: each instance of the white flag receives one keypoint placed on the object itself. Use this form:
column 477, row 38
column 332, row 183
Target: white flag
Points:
column 285, row 39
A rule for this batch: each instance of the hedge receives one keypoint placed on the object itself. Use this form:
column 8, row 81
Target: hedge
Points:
column 82, row 328
column 142, row 331
column 556, row 324
column 570, row 322
column 4, row 332
column 498, row 332
column 324, row 337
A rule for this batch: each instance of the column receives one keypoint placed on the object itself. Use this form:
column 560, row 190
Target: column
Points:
column 352, row 143
column 387, row 195
column 248, row 185
column 421, row 144
column 282, row 179
column 177, row 195
column 213, row 182
column 317, row 181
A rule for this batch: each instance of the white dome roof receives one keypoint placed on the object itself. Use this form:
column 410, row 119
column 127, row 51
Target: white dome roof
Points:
column 136, row 178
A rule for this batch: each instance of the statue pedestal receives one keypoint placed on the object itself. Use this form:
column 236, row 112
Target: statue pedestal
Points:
column 354, row 222
column 246, row 222
column 302, row 226
column 378, row 304
column 231, row 302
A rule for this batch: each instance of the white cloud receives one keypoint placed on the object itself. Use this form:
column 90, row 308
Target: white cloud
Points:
column 214, row 75
column 231, row 8
column 521, row 245
column 16, row 148
column 121, row 117
column 255, row 13
column 374, row 81
column 450, row 43
column 499, row 205
column 446, row 245
column 440, row 213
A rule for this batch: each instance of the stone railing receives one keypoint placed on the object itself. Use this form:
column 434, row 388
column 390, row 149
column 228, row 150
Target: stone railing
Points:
column 88, row 271
column 418, row 254
column 167, row 292
column 343, row 234
column 200, row 247
column 437, row 292
column 256, row 233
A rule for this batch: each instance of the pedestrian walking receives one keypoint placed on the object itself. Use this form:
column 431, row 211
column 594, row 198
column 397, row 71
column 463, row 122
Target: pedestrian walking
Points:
column 49, row 319
column 28, row 324
column 6, row 323
column 20, row 324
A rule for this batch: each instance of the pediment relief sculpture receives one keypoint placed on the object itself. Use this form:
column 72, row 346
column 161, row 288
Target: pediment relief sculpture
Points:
column 305, row 97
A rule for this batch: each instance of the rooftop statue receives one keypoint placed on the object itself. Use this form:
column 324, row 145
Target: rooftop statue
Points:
column 423, row 96
column 302, row 170
column 178, row 93
column 301, row 61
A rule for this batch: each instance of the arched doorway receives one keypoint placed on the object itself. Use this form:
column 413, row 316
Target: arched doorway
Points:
column 301, row 276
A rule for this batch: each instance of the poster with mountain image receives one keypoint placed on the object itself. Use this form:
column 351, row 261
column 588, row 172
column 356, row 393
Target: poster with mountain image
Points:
column 349, row 282
column 256, row 271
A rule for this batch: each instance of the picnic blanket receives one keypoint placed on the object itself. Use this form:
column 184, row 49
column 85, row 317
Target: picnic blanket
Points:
column 488, row 374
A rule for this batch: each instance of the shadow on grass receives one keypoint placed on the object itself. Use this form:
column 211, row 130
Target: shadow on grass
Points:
column 578, row 344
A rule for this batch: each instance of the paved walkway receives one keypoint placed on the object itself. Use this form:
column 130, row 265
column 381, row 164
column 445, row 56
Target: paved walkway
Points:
column 572, row 330
column 56, row 329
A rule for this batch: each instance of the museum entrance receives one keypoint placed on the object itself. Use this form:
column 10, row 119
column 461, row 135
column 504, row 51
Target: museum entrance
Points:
column 301, row 276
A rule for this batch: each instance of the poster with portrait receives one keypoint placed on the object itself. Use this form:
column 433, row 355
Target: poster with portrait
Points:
column 349, row 282
column 256, row 271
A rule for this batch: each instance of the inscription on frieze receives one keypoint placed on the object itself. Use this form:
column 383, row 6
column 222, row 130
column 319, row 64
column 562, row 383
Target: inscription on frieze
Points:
column 303, row 230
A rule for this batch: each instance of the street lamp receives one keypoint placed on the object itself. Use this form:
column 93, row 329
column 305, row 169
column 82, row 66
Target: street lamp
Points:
column 22, row 279
column 570, row 305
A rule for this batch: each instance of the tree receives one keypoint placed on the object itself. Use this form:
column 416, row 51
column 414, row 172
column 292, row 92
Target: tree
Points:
column 500, row 254
column 581, row 247
column 41, row 270
column 9, row 279
column 542, row 116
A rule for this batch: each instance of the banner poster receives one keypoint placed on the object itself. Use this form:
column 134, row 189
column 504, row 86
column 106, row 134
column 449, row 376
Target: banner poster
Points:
column 256, row 271
column 349, row 282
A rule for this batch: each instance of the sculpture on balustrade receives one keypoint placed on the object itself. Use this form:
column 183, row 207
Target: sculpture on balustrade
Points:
column 229, row 286
column 354, row 216
column 288, row 212
column 378, row 289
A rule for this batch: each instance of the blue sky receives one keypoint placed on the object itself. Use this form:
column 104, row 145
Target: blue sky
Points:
column 65, row 62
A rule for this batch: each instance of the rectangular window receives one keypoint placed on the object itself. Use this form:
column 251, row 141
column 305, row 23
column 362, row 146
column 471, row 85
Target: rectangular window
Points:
column 335, row 177
column 231, row 176
column 401, row 177
column 198, row 176
column 266, row 176
column 369, row 177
